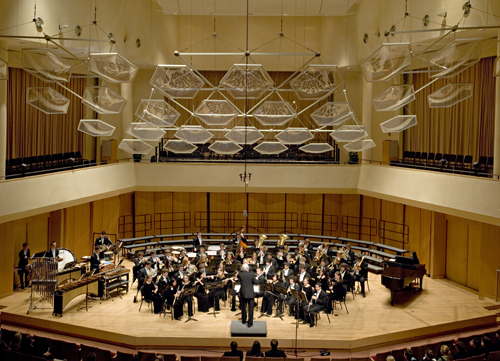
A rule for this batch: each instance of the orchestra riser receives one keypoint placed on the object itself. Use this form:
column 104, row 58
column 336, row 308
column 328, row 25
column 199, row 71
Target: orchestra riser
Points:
column 442, row 308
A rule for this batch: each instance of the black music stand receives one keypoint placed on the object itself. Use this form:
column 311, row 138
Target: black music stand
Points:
column 280, row 290
column 214, row 286
column 86, row 276
column 186, row 293
column 265, row 287
column 299, row 296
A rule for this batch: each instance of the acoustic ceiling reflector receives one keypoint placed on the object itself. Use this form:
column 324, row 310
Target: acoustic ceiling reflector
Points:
column 216, row 112
column 145, row 131
column 316, row 81
column 157, row 113
column 195, row 134
column 398, row 123
column 135, row 146
column 112, row 67
column 360, row 145
column 270, row 148
column 294, row 136
column 332, row 114
column 454, row 58
column 244, row 135
column 225, row 147
column 3, row 70
column 176, row 81
column 246, row 80
column 47, row 100
column 386, row 62
column 274, row 113
column 179, row 147
column 394, row 97
column 95, row 127
column 46, row 65
column 450, row 95
column 103, row 100
column 349, row 133
column 316, row 148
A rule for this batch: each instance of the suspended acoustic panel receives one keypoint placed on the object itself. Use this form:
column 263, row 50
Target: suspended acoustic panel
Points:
column 112, row 67
column 294, row 136
column 244, row 135
column 95, row 127
column 3, row 70
column 179, row 147
column 360, row 145
column 145, row 131
column 46, row 65
column 450, row 94
column 195, row 134
column 316, row 148
column 103, row 100
column 176, row 81
column 235, row 81
column 386, row 62
column 157, row 113
column 225, row 147
column 216, row 112
column 316, row 81
column 332, row 113
column 270, row 148
column 349, row 133
column 274, row 113
column 398, row 123
column 47, row 100
column 394, row 97
column 454, row 58
column 135, row 146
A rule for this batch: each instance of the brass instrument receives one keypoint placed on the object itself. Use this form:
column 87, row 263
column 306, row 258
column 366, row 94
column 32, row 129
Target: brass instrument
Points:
column 302, row 252
column 262, row 238
column 191, row 270
column 342, row 252
column 281, row 242
column 357, row 267
column 320, row 252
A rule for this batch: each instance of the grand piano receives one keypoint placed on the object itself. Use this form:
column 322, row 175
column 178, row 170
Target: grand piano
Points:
column 400, row 272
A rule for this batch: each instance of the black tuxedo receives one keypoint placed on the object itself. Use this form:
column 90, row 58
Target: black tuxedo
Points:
column 275, row 353
column 100, row 241
column 361, row 276
column 306, row 275
column 197, row 242
column 286, row 273
column 94, row 261
column 49, row 253
column 247, row 295
column 316, row 306
column 22, row 271
column 270, row 272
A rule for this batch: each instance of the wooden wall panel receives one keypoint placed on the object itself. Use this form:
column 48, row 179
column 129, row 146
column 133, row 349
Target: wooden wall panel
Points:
column 78, row 230
column 392, row 212
column 313, row 208
column 351, row 207
column 125, row 213
column 257, row 202
column 333, row 207
column 8, row 258
column 219, row 207
column 275, row 213
column 180, row 203
column 424, row 253
column 110, row 216
column 473, row 256
column 371, row 208
column 295, row 206
column 163, row 202
column 456, row 251
column 237, row 203
column 55, row 226
column 490, row 260
column 197, row 203
column 413, row 221
column 144, row 205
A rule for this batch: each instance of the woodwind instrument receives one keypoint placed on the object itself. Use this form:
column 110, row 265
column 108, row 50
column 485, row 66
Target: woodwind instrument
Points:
column 178, row 293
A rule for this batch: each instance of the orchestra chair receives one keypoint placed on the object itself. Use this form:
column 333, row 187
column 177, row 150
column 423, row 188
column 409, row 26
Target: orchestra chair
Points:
column 189, row 358
column 317, row 317
column 122, row 356
column 164, row 310
column 231, row 358
column 71, row 351
column 493, row 356
column 147, row 300
column 146, row 356
column 212, row 358
column 340, row 303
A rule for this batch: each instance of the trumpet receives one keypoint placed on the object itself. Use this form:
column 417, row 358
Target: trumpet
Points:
column 357, row 267
column 281, row 242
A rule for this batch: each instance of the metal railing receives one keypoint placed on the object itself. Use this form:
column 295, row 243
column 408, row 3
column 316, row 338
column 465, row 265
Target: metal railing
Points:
column 359, row 226
column 392, row 231
column 141, row 223
column 316, row 222
column 172, row 222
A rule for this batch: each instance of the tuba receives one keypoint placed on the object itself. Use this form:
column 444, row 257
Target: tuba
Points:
column 262, row 238
column 281, row 242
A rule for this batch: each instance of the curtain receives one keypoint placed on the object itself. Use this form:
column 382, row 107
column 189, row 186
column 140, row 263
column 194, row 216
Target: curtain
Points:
column 467, row 128
column 31, row 132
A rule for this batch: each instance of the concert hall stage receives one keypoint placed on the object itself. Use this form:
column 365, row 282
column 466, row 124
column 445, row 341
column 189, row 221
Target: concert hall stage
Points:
column 443, row 308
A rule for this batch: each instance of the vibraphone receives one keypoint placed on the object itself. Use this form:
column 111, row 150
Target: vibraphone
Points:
column 100, row 285
column 70, row 273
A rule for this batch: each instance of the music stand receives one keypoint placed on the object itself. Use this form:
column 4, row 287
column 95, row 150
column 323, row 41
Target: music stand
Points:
column 86, row 276
column 214, row 286
column 280, row 290
column 186, row 293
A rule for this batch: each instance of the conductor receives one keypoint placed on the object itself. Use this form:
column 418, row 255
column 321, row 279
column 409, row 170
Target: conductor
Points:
column 247, row 280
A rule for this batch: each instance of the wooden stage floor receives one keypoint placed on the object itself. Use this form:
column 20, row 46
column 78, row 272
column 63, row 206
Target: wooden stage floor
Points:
column 442, row 308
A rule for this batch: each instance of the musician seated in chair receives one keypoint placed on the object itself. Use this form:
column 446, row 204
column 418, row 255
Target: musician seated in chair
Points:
column 293, row 303
column 337, row 292
column 103, row 241
column 361, row 273
column 140, row 262
column 239, row 237
column 270, row 297
column 241, row 255
column 216, row 294
column 317, row 304
column 95, row 259
column 163, row 281
column 349, row 255
column 347, row 278
column 150, row 292
column 147, row 271
column 155, row 261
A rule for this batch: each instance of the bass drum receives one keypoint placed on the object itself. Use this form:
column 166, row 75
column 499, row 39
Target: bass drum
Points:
column 67, row 257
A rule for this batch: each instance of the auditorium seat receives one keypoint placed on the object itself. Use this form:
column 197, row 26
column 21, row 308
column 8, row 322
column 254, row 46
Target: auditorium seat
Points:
column 493, row 356
column 56, row 348
column 86, row 350
column 468, row 162
column 430, row 159
column 247, row 358
column 360, row 358
column 418, row 352
column 476, row 358
column 123, row 356
column 146, row 356
column 267, row 359
column 382, row 356
column 189, row 358
column 173, row 357
column 398, row 354
column 416, row 158
column 231, row 358
column 41, row 344
column 71, row 351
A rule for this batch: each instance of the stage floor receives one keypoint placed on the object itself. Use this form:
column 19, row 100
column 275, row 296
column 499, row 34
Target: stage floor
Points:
column 442, row 308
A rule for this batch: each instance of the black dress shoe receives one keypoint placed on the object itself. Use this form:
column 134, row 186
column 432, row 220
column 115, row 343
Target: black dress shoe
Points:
column 311, row 325
column 250, row 325
column 233, row 310
column 363, row 294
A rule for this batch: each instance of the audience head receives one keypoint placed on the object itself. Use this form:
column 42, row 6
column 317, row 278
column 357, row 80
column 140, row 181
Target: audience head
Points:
column 234, row 345
column 475, row 342
column 274, row 344
column 485, row 341
column 91, row 357
column 390, row 358
column 444, row 350
column 429, row 354
column 256, row 347
column 460, row 346
column 408, row 354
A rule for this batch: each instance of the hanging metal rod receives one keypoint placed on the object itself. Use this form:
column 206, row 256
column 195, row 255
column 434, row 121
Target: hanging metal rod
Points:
column 260, row 130
column 455, row 28
column 240, row 54
column 46, row 37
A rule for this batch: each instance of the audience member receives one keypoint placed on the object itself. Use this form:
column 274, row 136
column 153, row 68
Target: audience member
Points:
column 459, row 351
column 429, row 355
column 15, row 343
column 234, row 351
column 475, row 348
column 91, row 356
column 445, row 354
column 255, row 351
column 274, row 352
column 390, row 358
column 487, row 346
column 408, row 355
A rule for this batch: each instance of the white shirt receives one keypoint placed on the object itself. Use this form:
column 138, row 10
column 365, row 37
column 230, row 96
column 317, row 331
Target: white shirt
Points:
column 302, row 275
